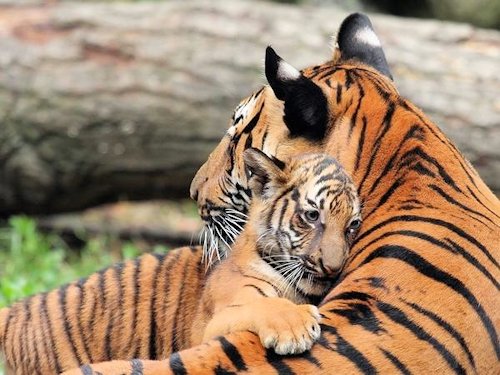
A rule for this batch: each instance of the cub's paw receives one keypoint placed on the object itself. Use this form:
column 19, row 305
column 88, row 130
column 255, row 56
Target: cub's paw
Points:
column 290, row 329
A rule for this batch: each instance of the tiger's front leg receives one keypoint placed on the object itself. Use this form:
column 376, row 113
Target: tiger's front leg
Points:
column 282, row 325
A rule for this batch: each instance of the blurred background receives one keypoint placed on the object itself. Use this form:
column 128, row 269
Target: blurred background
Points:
column 107, row 109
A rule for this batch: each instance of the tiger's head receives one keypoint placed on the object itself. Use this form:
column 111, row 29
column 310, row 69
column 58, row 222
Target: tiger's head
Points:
column 305, row 214
column 296, row 113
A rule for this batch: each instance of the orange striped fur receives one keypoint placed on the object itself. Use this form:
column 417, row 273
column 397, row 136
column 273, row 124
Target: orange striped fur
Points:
column 140, row 308
column 420, row 291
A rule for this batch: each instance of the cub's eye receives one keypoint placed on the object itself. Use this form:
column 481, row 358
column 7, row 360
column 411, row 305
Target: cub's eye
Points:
column 353, row 227
column 311, row 215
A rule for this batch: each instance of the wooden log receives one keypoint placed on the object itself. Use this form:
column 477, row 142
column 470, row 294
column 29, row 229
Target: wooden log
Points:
column 105, row 101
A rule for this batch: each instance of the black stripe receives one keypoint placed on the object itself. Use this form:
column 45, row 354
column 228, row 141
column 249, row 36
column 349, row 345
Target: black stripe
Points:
column 253, row 122
column 354, row 117
column 345, row 349
column 42, row 332
column 350, row 296
column 307, row 355
column 387, row 195
column 348, row 78
column 137, row 367
column 178, row 309
column 361, row 143
column 248, row 142
column 68, row 329
column 446, row 326
column 273, row 208
column 399, row 317
column 81, row 286
column 219, row 370
column 136, row 339
column 277, row 361
column 420, row 264
column 451, row 246
column 265, row 281
column 415, row 132
column 481, row 203
column 282, row 212
column 109, row 317
column 324, row 72
column 451, row 200
column 260, row 291
column 232, row 354
column 411, row 156
column 440, row 136
column 166, row 349
column 360, row 314
column 176, row 364
column 24, row 338
column 152, row 317
column 422, row 170
column 413, row 218
column 34, row 339
column 386, row 125
column 46, row 318
column 459, row 249
column 396, row 362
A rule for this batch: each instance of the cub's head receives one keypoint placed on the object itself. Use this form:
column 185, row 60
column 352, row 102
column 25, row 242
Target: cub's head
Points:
column 298, row 112
column 305, row 213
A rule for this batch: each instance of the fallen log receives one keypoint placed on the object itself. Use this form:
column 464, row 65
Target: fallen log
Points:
column 100, row 102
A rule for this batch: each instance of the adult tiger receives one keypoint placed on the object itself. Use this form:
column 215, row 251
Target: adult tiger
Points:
column 420, row 293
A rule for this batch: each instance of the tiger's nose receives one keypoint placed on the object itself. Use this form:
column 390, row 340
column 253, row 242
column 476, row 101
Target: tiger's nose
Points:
column 196, row 185
column 193, row 191
column 193, row 194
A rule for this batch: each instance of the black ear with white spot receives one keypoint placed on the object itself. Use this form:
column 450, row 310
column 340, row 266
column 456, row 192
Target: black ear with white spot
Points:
column 357, row 40
column 305, row 105
column 265, row 175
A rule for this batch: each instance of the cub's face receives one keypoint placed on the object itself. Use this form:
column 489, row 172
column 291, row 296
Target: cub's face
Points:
column 305, row 214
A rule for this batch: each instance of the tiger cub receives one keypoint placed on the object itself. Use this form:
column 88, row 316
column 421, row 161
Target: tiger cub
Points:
column 303, row 218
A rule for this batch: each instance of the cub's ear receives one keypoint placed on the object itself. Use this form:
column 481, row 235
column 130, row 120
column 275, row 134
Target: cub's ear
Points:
column 265, row 175
column 357, row 40
column 305, row 105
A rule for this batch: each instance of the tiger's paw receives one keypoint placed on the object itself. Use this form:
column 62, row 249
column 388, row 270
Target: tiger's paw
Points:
column 291, row 330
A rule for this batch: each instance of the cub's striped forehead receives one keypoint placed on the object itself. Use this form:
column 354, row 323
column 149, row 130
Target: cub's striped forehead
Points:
column 320, row 177
column 317, row 167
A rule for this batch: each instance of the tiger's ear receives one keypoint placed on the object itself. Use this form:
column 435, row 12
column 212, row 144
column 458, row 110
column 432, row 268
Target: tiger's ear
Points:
column 265, row 175
column 357, row 40
column 305, row 105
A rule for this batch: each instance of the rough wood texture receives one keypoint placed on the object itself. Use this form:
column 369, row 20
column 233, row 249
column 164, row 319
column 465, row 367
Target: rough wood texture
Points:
column 104, row 101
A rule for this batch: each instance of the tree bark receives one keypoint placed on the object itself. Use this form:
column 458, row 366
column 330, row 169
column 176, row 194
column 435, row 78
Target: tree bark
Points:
column 100, row 102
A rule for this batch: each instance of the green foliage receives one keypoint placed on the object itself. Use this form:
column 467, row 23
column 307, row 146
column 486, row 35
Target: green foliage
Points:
column 32, row 262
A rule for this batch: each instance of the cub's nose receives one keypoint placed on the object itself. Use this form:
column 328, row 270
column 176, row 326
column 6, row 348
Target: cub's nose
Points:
column 330, row 269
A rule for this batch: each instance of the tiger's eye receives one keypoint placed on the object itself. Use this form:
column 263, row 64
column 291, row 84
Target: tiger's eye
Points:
column 311, row 215
column 353, row 227
column 355, row 224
